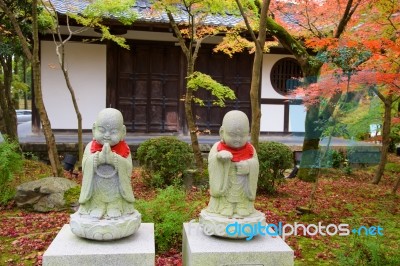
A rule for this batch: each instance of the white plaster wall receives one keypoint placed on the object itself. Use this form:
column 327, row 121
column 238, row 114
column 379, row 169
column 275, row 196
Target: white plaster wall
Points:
column 297, row 116
column 271, row 118
column 267, row 91
column 86, row 64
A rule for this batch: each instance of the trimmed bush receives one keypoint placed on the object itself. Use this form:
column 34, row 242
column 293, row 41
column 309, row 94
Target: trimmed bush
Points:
column 274, row 159
column 164, row 160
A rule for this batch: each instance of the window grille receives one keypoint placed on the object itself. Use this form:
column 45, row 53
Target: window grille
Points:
column 285, row 75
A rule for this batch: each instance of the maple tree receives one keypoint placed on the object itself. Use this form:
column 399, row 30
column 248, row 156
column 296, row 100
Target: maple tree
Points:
column 376, row 65
column 382, row 72
column 320, row 23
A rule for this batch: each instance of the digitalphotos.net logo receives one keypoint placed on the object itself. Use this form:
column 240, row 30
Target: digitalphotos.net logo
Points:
column 284, row 230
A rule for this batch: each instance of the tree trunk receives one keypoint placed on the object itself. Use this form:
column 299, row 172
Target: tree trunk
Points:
column 78, row 115
column 309, row 168
column 25, row 81
column 191, row 123
column 255, row 99
column 47, row 131
column 6, row 99
column 396, row 186
column 2, row 123
column 256, row 72
column 74, row 101
column 385, row 139
column 34, row 58
column 190, row 59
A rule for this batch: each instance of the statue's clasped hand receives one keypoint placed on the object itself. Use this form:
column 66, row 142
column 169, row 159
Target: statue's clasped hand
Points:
column 106, row 155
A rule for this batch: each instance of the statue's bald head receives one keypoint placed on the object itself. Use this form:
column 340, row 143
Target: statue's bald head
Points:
column 235, row 117
column 109, row 126
column 235, row 129
column 110, row 114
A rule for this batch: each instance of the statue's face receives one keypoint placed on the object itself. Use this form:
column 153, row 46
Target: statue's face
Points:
column 235, row 134
column 110, row 131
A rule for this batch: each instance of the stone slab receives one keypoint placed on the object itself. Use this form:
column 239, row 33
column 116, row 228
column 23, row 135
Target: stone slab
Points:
column 69, row 249
column 200, row 249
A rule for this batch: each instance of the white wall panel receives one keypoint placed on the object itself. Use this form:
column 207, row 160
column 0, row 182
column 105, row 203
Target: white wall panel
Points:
column 86, row 64
column 272, row 118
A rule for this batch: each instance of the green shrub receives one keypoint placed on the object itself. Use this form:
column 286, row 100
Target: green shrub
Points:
column 164, row 160
column 10, row 163
column 274, row 159
column 368, row 251
column 168, row 211
column 392, row 167
column 337, row 158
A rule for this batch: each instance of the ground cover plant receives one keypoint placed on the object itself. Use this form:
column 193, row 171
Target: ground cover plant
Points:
column 340, row 198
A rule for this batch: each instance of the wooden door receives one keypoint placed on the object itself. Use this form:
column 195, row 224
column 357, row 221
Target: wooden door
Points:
column 233, row 72
column 148, row 87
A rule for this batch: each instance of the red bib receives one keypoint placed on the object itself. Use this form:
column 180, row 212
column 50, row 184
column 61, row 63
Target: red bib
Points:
column 121, row 148
column 244, row 153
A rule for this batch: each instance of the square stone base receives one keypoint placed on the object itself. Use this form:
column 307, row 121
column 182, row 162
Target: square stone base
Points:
column 69, row 249
column 200, row 249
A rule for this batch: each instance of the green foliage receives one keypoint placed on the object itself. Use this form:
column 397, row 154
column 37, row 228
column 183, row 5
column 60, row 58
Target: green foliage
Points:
column 358, row 120
column 346, row 58
column 45, row 20
column 220, row 92
column 10, row 163
column 274, row 159
column 30, row 156
column 71, row 196
column 367, row 251
column 333, row 159
column 168, row 211
column 392, row 167
column 164, row 160
column 98, row 10
column 120, row 10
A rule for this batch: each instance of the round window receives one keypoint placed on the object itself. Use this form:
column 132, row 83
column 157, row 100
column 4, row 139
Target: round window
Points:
column 285, row 75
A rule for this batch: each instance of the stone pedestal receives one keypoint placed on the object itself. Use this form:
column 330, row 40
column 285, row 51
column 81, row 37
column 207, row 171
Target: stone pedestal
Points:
column 69, row 249
column 214, row 224
column 105, row 229
column 200, row 249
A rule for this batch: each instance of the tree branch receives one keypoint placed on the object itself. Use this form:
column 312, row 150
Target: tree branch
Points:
column 17, row 28
column 346, row 17
column 178, row 34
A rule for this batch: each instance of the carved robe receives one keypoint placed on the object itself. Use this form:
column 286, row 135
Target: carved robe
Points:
column 106, row 184
column 227, row 187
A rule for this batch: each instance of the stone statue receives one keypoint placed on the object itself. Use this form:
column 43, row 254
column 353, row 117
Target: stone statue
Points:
column 106, row 194
column 233, row 171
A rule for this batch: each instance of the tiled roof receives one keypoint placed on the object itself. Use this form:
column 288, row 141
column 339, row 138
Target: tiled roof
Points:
column 146, row 14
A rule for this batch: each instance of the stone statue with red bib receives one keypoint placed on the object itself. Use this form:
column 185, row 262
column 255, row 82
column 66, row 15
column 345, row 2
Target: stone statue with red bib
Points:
column 106, row 193
column 233, row 169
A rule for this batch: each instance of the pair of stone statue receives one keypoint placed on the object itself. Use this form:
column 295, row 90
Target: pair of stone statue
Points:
column 106, row 209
